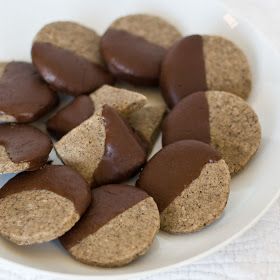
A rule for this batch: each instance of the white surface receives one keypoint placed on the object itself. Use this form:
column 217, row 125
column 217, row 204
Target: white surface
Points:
column 250, row 256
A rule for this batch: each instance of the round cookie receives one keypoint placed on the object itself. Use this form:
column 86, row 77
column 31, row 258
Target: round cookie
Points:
column 24, row 96
column 190, row 184
column 22, row 147
column 221, row 119
column 103, row 149
column 42, row 205
column 66, row 55
column 133, row 47
column 119, row 226
column 203, row 62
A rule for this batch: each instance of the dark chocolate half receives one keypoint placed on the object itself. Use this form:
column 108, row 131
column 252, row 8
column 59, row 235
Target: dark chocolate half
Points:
column 66, row 71
column 23, row 94
column 25, row 143
column 131, row 58
column 188, row 120
column 183, row 70
column 123, row 156
column 79, row 110
column 173, row 169
column 59, row 179
column 108, row 202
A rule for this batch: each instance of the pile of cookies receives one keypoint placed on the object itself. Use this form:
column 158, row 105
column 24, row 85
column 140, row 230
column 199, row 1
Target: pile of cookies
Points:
column 141, row 77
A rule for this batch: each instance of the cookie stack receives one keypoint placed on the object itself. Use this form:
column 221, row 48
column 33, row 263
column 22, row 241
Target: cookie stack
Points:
column 192, row 89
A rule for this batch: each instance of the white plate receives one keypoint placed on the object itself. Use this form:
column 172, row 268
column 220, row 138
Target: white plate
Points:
column 253, row 190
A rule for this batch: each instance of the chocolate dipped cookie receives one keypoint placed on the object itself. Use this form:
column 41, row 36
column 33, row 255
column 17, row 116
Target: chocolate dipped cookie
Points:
column 66, row 54
column 190, row 184
column 204, row 62
column 133, row 47
column 118, row 227
column 24, row 96
column 22, row 147
column 221, row 119
column 42, row 205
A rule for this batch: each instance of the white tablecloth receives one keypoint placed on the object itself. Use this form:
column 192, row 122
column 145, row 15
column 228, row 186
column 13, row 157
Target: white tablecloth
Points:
column 256, row 254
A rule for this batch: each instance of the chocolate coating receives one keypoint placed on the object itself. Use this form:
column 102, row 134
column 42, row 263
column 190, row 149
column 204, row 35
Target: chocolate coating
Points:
column 59, row 179
column 183, row 70
column 25, row 143
column 108, row 202
column 173, row 169
column 131, row 58
column 80, row 109
column 188, row 120
column 66, row 71
column 123, row 155
column 23, row 94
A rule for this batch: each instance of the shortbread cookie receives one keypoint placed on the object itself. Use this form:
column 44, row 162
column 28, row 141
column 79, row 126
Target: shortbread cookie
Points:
column 24, row 96
column 190, row 184
column 66, row 55
column 83, row 107
column 221, row 119
column 147, row 121
column 42, row 205
column 133, row 47
column 119, row 226
column 103, row 149
column 22, row 147
column 199, row 63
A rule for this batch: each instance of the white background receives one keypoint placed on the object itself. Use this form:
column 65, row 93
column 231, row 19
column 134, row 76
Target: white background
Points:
column 256, row 254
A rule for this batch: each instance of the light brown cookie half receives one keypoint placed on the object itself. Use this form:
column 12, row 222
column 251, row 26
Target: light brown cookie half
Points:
column 24, row 96
column 221, row 119
column 118, row 227
column 83, row 107
column 134, row 45
column 22, row 147
column 103, row 149
column 66, row 55
column 147, row 121
column 190, row 184
column 42, row 205
column 211, row 63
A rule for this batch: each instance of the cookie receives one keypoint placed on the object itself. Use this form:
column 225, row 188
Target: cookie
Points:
column 147, row 121
column 119, row 226
column 22, row 147
column 103, row 149
column 83, row 107
column 66, row 55
column 221, row 119
column 190, row 184
column 133, row 47
column 24, row 96
column 199, row 63
column 42, row 205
